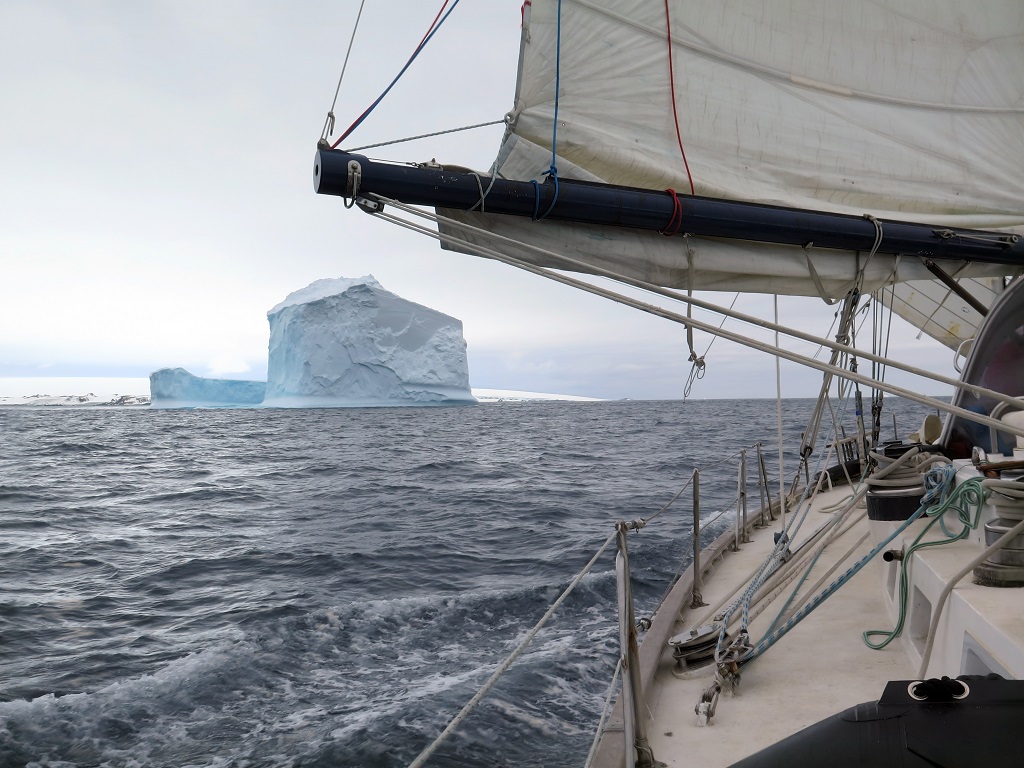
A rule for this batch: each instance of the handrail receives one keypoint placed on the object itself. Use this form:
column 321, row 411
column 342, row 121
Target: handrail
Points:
column 638, row 751
column 638, row 665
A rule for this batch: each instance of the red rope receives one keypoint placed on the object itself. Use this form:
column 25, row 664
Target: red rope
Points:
column 676, row 221
column 433, row 24
column 672, row 85
column 425, row 36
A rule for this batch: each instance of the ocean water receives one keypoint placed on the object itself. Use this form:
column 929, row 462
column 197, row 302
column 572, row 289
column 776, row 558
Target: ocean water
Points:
column 329, row 587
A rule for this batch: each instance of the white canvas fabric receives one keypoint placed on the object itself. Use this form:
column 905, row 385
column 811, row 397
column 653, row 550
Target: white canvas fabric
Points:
column 909, row 110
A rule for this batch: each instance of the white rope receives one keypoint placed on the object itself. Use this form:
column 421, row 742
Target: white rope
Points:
column 731, row 336
column 504, row 666
column 604, row 715
column 818, row 285
column 778, row 416
column 329, row 123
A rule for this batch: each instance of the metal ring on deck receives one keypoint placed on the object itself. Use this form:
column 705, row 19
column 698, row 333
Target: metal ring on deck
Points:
column 910, row 691
column 957, row 696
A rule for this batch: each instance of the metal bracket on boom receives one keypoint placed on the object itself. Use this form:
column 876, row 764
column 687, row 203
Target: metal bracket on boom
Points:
column 368, row 205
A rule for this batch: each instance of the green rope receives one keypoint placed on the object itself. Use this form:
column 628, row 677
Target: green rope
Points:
column 968, row 496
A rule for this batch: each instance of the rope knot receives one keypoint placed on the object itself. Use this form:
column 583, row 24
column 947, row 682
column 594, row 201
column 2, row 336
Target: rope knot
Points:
column 675, row 222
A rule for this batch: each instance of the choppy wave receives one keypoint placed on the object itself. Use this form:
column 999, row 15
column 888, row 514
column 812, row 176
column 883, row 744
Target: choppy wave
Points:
column 285, row 588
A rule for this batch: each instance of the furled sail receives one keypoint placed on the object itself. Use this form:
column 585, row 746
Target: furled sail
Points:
column 902, row 109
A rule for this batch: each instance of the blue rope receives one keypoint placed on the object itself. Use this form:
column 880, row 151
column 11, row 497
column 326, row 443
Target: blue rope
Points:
column 937, row 484
column 558, row 87
column 769, row 640
column 552, row 170
column 412, row 58
column 775, row 559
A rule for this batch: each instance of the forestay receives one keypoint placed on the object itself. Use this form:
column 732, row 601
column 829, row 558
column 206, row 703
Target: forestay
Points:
column 907, row 110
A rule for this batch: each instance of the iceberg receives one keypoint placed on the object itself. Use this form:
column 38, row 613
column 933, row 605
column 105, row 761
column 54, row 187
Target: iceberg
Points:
column 350, row 342
column 341, row 342
column 177, row 388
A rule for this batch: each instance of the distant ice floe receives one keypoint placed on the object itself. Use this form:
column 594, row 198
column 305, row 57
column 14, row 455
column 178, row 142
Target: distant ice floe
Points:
column 507, row 395
column 88, row 399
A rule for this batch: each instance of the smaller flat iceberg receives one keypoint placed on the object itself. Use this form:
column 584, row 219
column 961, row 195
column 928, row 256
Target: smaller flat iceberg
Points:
column 177, row 388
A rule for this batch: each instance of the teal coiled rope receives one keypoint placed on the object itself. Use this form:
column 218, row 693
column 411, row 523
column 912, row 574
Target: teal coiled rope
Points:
column 967, row 500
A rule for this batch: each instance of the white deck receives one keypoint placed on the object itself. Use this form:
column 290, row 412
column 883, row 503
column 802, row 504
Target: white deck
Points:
column 823, row 666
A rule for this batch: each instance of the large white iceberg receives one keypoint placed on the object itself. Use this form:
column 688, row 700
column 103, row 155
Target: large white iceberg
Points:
column 342, row 342
column 348, row 341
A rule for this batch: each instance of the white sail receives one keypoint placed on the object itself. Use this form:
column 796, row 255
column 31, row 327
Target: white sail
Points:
column 910, row 110
column 939, row 311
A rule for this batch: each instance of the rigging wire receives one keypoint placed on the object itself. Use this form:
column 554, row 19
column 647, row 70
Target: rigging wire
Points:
column 700, row 325
column 431, row 31
column 329, row 122
column 426, row 135
column 778, row 390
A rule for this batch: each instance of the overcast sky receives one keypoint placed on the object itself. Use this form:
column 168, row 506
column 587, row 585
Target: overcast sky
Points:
column 156, row 197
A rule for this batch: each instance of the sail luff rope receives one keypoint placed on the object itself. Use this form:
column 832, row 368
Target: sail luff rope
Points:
column 700, row 325
column 510, row 660
column 436, row 25
column 329, row 122
column 672, row 89
column 974, row 389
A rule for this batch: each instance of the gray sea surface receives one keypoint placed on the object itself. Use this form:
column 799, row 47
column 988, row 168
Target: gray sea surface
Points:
column 328, row 587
